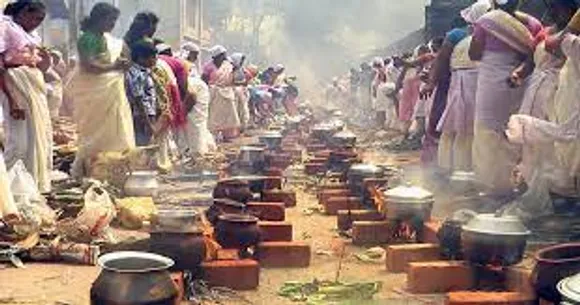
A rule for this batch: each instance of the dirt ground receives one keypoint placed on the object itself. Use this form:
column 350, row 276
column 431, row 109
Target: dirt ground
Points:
column 53, row 284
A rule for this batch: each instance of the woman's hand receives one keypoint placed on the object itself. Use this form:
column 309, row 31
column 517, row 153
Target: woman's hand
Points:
column 122, row 64
column 516, row 78
column 45, row 61
column 427, row 91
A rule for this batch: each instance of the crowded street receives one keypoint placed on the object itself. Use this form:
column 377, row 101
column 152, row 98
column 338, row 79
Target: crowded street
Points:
column 192, row 152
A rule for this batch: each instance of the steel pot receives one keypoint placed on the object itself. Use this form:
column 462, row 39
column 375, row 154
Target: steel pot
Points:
column 251, row 155
column 489, row 239
column 235, row 231
column 358, row 173
column 177, row 220
column 344, row 139
column 134, row 278
column 323, row 132
column 569, row 290
column 141, row 184
column 407, row 202
column 272, row 140
column 553, row 264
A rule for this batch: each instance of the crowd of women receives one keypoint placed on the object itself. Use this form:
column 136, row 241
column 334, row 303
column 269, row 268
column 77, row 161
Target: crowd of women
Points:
column 496, row 97
column 123, row 93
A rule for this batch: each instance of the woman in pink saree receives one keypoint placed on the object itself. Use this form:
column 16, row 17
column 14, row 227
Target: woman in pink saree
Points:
column 502, row 40
column 24, row 95
column 223, row 110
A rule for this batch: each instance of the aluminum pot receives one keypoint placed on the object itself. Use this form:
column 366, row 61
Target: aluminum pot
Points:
column 272, row 140
column 134, row 278
column 251, row 155
column 569, row 290
column 237, row 231
column 553, row 264
column 344, row 139
column 407, row 202
column 141, row 184
column 176, row 220
column 187, row 250
column 324, row 132
column 358, row 173
column 489, row 239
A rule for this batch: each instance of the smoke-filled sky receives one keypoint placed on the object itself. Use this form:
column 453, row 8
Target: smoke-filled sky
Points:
column 316, row 39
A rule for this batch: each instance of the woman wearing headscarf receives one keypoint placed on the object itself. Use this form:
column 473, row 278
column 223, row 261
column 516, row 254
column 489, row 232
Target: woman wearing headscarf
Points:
column 27, row 119
column 101, row 109
column 503, row 38
column 223, row 113
column 190, row 52
column 456, row 122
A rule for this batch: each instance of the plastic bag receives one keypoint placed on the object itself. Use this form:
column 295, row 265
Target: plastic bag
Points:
column 22, row 182
column 34, row 213
column 93, row 220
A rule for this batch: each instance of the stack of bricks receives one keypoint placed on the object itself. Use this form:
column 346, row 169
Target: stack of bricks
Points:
column 232, row 272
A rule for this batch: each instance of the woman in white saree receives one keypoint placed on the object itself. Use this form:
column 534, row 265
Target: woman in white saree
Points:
column 101, row 110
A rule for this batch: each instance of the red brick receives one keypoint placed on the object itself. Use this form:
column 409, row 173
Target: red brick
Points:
column 315, row 147
column 177, row 278
column 274, row 172
column 488, row 298
column 280, row 163
column 399, row 256
column 439, row 277
column 371, row 232
column 520, row 280
column 324, row 195
column 430, row 232
column 323, row 154
column 286, row 197
column 335, row 204
column 275, row 231
column 267, row 211
column 314, row 168
column 234, row 274
column 272, row 183
column 346, row 218
column 333, row 186
column 284, row 254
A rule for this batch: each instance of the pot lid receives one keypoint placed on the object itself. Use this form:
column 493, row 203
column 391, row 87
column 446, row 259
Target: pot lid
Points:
column 271, row 134
column 463, row 176
column 251, row 149
column 364, row 169
column 498, row 225
column 408, row 194
column 570, row 288
column 345, row 135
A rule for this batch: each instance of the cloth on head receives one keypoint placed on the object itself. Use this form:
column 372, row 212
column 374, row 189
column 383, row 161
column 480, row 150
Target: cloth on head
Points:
column 218, row 50
column 163, row 47
column 279, row 68
column 475, row 11
column 237, row 59
column 378, row 62
column 190, row 47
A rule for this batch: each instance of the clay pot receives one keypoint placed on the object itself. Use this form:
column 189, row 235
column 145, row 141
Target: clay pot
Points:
column 223, row 206
column 237, row 190
column 134, row 278
column 234, row 231
column 186, row 249
column 554, row 264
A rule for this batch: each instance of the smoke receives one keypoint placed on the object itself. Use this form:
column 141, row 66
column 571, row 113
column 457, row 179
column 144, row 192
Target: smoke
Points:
column 317, row 40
